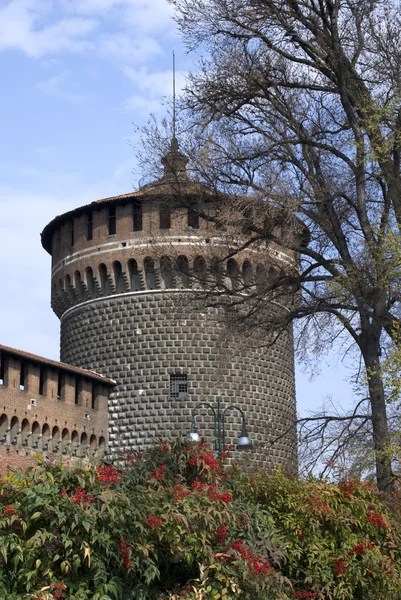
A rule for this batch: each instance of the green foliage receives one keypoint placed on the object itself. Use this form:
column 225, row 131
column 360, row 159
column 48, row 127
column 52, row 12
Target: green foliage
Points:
column 177, row 523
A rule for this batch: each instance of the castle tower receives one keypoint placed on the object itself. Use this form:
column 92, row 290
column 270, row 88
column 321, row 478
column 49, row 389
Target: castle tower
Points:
column 121, row 273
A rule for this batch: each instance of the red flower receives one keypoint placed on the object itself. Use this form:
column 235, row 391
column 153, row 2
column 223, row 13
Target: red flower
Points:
column 347, row 487
column 81, row 497
column 221, row 534
column 304, row 594
column 376, row 519
column 339, row 564
column 158, row 473
column 154, row 522
column 125, row 550
column 108, row 474
column 179, row 492
column 10, row 511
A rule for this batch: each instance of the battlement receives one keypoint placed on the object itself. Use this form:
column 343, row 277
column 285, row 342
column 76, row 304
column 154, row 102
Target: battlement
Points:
column 51, row 407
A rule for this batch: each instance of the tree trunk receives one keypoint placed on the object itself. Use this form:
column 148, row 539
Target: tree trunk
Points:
column 370, row 347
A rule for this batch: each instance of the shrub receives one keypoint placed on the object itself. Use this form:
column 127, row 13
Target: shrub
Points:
column 176, row 523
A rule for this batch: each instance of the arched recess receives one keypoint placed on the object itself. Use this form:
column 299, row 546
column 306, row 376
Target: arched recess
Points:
column 118, row 277
column 102, row 446
column 46, row 436
column 3, row 428
column 233, row 272
column 84, row 444
column 273, row 275
column 60, row 286
column 134, row 276
column 56, row 439
column 65, row 440
column 104, row 284
column 69, row 288
column 90, row 282
column 15, row 430
column 150, row 273
column 74, row 442
column 36, row 435
column 25, row 432
column 78, row 285
column 247, row 274
column 200, row 271
column 261, row 276
column 166, row 272
column 93, row 444
column 182, row 270
column 216, row 271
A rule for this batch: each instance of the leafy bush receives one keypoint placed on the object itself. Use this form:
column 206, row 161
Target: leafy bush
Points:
column 176, row 523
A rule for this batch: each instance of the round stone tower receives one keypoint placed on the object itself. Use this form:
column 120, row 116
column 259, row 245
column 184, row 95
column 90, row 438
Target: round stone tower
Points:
column 124, row 273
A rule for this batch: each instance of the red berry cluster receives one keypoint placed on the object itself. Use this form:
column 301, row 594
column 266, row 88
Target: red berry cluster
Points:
column 158, row 473
column 125, row 551
column 304, row 594
column 204, row 458
column 81, row 497
column 211, row 491
column 154, row 522
column 361, row 547
column 108, row 474
column 376, row 519
column 164, row 446
column 339, row 564
column 318, row 505
column 221, row 534
column 347, row 487
column 10, row 511
column 257, row 565
column 58, row 590
column 179, row 492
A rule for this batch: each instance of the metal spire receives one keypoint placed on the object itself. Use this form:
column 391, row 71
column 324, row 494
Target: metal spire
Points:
column 174, row 115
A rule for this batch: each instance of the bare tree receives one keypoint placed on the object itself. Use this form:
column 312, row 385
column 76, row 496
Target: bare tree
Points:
column 299, row 102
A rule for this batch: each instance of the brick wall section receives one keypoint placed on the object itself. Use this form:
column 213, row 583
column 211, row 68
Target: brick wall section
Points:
column 140, row 340
column 50, row 407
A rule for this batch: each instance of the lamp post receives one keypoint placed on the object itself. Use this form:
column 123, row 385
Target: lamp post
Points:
column 244, row 441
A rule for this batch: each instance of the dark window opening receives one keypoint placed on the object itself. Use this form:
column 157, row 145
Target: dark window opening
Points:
column 89, row 233
column 165, row 217
column 22, row 376
column 72, row 233
column 95, row 396
column 112, row 220
column 77, row 391
column 42, row 380
column 60, row 386
column 178, row 386
column 137, row 215
column 2, row 368
column 193, row 219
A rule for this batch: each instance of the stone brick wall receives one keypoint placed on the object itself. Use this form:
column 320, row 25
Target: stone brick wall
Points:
column 141, row 339
column 51, row 408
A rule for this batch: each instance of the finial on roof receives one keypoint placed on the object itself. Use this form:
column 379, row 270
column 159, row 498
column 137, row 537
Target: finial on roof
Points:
column 174, row 162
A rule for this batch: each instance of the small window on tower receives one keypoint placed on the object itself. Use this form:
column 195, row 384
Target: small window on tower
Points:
column 42, row 380
column 137, row 215
column 112, row 220
column 22, row 375
column 72, row 233
column 89, row 233
column 2, row 368
column 165, row 216
column 193, row 219
column 178, row 386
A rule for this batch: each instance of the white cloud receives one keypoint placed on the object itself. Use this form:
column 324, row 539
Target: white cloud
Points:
column 35, row 27
column 22, row 27
column 156, row 83
column 142, row 104
column 52, row 87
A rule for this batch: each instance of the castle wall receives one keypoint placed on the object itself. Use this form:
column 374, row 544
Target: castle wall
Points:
column 145, row 340
column 50, row 408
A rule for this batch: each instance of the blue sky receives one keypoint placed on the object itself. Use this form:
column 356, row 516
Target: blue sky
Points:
column 77, row 77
